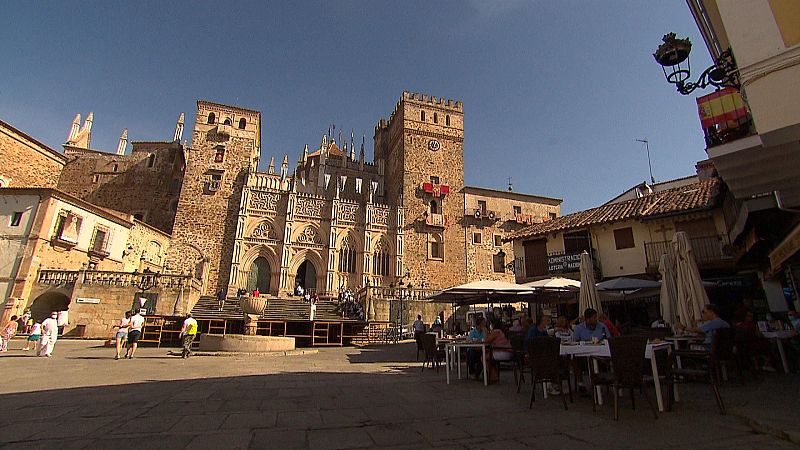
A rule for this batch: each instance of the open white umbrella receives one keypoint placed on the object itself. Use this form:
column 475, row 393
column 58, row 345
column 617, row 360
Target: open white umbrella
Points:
column 554, row 283
column 669, row 290
column 484, row 291
column 588, row 297
column 691, row 292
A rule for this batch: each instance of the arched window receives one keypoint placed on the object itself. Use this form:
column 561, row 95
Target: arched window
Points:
column 227, row 121
column 212, row 118
column 115, row 168
column 380, row 260
column 422, row 116
column 447, row 119
column 219, row 157
column 347, row 256
column 435, row 246
column 242, row 123
column 434, row 207
column 435, row 118
column 151, row 160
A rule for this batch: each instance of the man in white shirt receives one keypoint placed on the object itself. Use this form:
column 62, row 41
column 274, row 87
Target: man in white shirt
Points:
column 49, row 336
column 188, row 332
column 134, row 333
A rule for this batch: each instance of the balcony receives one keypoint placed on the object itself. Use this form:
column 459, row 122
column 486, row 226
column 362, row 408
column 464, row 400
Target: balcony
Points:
column 436, row 220
column 709, row 252
column 724, row 117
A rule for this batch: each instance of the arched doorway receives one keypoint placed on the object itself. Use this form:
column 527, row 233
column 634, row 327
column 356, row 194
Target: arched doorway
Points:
column 259, row 276
column 306, row 276
column 48, row 302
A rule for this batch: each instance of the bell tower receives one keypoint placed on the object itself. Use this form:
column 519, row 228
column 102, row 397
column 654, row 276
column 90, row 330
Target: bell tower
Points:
column 423, row 147
column 226, row 142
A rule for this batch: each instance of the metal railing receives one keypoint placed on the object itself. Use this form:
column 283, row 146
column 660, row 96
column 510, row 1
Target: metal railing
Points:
column 706, row 249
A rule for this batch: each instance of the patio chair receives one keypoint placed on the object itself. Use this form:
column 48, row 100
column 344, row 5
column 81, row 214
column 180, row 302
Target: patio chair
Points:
column 628, row 363
column 518, row 344
column 702, row 366
column 746, row 352
column 433, row 355
column 418, row 340
column 544, row 359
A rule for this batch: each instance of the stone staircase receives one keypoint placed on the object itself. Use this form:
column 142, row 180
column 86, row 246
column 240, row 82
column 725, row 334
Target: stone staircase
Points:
column 278, row 309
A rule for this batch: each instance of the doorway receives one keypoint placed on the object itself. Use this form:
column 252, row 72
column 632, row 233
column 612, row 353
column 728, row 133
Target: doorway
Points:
column 306, row 276
column 259, row 276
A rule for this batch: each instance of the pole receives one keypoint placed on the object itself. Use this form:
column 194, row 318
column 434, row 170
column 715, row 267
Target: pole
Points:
column 649, row 164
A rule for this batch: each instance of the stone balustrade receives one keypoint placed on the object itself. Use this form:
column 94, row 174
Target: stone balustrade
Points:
column 108, row 278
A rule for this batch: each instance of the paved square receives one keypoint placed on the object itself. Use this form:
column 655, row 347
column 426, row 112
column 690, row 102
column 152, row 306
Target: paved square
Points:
column 344, row 398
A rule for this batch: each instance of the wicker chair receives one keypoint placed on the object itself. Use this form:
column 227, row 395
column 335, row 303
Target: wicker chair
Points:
column 544, row 359
column 703, row 366
column 628, row 363
column 433, row 355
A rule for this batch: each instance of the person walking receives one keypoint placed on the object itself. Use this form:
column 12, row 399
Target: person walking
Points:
column 188, row 332
column 122, row 331
column 33, row 336
column 47, row 341
column 134, row 333
column 8, row 332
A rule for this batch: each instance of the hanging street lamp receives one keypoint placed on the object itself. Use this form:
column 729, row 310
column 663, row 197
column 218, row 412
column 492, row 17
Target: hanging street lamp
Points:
column 673, row 56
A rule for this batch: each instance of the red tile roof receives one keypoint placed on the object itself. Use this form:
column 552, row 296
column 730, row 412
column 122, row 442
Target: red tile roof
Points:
column 683, row 199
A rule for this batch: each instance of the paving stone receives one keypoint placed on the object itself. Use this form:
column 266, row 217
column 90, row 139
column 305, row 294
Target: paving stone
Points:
column 344, row 417
column 229, row 440
column 299, row 419
column 199, row 422
column 392, row 434
column 250, row 420
column 283, row 439
column 339, row 438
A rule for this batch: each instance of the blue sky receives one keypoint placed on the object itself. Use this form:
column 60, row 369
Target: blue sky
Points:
column 555, row 92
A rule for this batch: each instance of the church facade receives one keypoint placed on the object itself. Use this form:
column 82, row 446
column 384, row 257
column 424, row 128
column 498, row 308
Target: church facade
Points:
column 328, row 220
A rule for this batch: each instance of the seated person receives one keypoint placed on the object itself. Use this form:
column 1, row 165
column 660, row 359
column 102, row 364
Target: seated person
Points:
column 563, row 330
column 437, row 326
column 501, row 349
column 748, row 334
column 607, row 322
column 477, row 334
column 712, row 323
column 516, row 327
column 591, row 327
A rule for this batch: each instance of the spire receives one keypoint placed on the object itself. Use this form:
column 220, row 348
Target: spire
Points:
column 324, row 145
column 285, row 166
column 305, row 153
column 271, row 169
column 76, row 127
column 123, row 142
column 87, row 128
column 361, row 153
column 352, row 146
column 178, row 129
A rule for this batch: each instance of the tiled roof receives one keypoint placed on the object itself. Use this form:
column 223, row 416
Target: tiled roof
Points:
column 683, row 199
column 333, row 150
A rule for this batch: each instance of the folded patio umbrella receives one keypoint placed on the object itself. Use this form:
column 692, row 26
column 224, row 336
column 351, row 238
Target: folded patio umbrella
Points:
column 588, row 297
column 691, row 292
column 669, row 290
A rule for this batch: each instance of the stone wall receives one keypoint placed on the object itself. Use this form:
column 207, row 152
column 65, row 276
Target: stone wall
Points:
column 145, row 183
column 27, row 162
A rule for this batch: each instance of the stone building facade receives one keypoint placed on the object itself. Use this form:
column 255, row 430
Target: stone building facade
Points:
column 27, row 162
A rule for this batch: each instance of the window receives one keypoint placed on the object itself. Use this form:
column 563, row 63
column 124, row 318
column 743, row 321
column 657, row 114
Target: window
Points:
column 380, row 260
column 435, row 246
column 227, row 121
column 95, row 178
column 477, row 238
column 138, row 216
column 435, row 118
column 498, row 264
column 422, row 116
column 434, row 180
column 216, row 176
column 115, row 167
column 447, row 119
column 517, row 210
column 16, row 218
column 212, row 118
column 577, row 242
column 219, row 157
column 482, row 206
column 99, row 240
column 68, row 227
column 242, row 123
column 151, row 160
column 498, row 240
column 434, row 207
column 623, row 237
column 551, row 215
column 347, row 256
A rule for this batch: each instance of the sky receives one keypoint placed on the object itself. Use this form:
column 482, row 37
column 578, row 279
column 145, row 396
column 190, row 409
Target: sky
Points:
column 555, row 93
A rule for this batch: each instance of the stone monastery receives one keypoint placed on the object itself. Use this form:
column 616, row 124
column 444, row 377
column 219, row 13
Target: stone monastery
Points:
column 331, row 219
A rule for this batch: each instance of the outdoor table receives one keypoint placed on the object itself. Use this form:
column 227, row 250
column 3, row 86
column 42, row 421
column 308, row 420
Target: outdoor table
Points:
column 456, row 346
column 603, row 350
column 687, row 339
column 778, row 337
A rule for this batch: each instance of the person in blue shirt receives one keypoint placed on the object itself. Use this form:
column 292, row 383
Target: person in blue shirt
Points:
column 539, row 330
column 590, row 328
column 474, row 355
column 712, row 323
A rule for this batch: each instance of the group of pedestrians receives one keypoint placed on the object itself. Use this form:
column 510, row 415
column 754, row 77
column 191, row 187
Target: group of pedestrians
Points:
column 129, row 331
column 42, row 336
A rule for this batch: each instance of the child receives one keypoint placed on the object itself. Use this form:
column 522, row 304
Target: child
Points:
column 36, row 331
